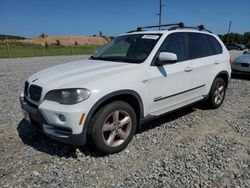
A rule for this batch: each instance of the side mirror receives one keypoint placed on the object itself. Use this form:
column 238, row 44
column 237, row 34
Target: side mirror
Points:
column 166, row 58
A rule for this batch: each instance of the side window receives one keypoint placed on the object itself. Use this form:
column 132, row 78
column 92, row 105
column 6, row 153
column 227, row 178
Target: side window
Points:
column 215, row 44
column 199, row 46
column 176, row 43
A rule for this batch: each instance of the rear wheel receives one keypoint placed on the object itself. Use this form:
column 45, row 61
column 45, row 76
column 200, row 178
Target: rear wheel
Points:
column 113, row 127
column 217, row 93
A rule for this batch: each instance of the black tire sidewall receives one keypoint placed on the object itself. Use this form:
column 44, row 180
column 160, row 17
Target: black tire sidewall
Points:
column 98, row 121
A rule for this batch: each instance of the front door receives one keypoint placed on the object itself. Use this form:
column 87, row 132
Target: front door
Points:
column 170, row 84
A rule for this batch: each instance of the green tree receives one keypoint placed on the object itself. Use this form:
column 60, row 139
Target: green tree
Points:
column 43, row 35
column 58, row 43
column 246, row 38
column 236, row 38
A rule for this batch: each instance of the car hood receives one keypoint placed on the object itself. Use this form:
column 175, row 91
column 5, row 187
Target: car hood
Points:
column 244, row 58
column 75, row 74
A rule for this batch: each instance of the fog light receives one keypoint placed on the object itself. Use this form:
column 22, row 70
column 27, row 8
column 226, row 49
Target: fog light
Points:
column 62, row 117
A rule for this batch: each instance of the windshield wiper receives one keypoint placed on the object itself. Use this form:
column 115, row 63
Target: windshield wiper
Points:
column 92, row 57
column 107, row 59
column 116, row 59
column 100, row 58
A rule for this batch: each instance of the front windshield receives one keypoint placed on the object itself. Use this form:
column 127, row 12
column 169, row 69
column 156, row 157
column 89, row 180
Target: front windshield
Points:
column 134, row 48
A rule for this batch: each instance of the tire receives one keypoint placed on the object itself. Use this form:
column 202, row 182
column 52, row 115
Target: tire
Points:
column 217, row 93
column 112, row 127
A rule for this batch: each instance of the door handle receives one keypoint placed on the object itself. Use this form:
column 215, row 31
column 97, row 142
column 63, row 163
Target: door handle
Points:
column 188, row 69
column 216, row 62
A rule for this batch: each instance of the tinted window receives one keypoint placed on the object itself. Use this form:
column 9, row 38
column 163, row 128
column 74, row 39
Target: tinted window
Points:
column 215, row 44
column 132, row 48
column 176, row 43
column 199, row 46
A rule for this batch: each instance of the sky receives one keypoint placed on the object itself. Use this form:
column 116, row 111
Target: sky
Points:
column 30, row 18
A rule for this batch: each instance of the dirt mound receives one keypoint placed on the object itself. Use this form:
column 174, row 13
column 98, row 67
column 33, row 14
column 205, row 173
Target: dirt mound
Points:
column 65, row 40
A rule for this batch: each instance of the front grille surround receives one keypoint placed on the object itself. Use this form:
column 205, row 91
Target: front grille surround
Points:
column 26, row 88
column 30, row 103
column 35, row 92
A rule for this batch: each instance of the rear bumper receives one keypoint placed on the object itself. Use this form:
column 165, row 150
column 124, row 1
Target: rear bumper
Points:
column 56, row 132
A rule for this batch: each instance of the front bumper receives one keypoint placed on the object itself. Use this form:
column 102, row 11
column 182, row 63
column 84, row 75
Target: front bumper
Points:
column 55, row 131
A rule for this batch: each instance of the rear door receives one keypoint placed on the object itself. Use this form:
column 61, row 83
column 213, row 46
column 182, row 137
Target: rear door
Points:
column 202, row 54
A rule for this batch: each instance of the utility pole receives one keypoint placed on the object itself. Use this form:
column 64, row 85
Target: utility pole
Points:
column 43, row 44
column 8, row 47
column 160, row 13
column 228, row 33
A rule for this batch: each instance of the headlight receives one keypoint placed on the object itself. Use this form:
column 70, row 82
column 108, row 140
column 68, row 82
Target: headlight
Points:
column 68, row 96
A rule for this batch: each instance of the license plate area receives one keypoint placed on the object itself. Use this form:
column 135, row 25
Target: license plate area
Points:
column 244, row 64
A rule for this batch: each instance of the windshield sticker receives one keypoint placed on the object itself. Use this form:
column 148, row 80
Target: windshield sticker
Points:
column 153, row 37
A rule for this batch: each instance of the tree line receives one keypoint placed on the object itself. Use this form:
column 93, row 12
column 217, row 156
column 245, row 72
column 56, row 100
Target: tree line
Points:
column 236, row 38
column 3, row 37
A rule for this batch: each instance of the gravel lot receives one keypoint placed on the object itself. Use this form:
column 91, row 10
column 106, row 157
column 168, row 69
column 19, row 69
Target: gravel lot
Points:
column 194, row 147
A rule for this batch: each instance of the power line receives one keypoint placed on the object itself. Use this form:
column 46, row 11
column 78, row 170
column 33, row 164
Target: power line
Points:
column 196, row 12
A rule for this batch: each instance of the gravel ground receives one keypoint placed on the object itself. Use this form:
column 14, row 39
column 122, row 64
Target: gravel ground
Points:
column 194, row 147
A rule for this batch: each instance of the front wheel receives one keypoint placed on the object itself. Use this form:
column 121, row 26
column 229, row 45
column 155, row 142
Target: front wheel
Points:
column 217, row 93
column 113, row 127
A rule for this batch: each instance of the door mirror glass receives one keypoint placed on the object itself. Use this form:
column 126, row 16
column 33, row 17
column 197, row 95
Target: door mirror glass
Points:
column 166, row 58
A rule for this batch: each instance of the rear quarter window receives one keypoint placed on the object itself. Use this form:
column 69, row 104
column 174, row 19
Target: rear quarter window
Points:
column 215, row 44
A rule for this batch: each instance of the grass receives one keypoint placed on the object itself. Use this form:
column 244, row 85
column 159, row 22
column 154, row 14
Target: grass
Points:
column 29, row 50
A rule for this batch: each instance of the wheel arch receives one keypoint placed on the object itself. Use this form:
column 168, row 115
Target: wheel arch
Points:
column 129, row 96
column 224, row 75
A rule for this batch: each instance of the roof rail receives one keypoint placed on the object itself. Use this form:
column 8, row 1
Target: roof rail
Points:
column 199, row 27
column 175, row 26
column 180, row 25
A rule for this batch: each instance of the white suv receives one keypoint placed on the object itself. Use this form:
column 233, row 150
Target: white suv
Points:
column 138, row 75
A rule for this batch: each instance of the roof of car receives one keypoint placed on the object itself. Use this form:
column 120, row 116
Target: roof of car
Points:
column 170, row 27
column 167, row 31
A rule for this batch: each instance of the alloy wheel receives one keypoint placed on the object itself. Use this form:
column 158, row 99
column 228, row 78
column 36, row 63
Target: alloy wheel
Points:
column 219, row 93
column 116, row 128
